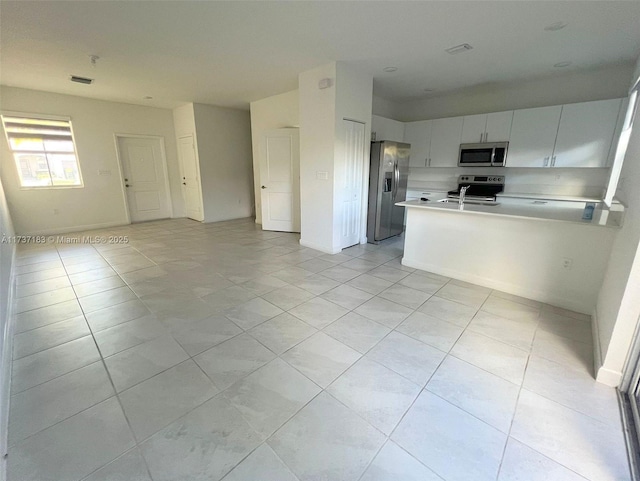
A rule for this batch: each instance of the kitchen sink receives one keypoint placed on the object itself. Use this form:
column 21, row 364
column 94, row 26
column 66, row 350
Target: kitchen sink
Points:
column 470, row 202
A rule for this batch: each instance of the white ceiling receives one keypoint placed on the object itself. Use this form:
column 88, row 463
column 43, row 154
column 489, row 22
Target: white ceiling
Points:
column 231, row 53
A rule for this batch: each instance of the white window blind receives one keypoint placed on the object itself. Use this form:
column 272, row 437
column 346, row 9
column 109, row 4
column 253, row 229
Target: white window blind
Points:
column 43, row 150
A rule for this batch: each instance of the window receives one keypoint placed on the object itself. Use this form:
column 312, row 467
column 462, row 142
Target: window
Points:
column 43, row 150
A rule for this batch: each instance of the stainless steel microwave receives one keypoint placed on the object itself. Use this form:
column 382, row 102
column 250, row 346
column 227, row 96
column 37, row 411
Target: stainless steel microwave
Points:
column 488, row 154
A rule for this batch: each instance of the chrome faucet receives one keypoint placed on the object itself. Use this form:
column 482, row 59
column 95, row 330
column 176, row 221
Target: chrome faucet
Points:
column 463, row 192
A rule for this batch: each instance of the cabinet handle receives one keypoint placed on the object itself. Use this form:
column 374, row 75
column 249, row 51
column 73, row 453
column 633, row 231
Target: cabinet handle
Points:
column 481, row 136
column 553, row 161
column 486, row 136
column 546, row 161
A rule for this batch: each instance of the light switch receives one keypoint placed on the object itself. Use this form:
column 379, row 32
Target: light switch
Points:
column 322, row 175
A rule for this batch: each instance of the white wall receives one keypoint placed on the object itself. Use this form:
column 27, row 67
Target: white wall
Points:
column 101, row 202
column 184, row 121
column 322, row 140
column 386, row 108
column 6, row 289
column 387, row 129
column 275, row 112
column 317, row 149
column 605, row 83
column 618, row 304
column 224, row 153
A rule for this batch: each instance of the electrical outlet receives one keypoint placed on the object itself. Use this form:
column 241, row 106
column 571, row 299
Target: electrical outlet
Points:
column 567, row 263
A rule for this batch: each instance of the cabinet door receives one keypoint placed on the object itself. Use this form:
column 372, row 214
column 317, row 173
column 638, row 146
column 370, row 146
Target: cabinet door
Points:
column 499, row 126
column 473, row 128
column 418, row 134
column 445, row 142
column 533, row 136
column 387, row 129
column 585, row 134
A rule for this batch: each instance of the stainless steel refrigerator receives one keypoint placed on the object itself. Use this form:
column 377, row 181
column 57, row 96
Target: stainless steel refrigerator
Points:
column 388, row 176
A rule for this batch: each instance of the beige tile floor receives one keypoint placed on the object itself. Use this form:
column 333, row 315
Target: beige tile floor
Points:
column 219, row 351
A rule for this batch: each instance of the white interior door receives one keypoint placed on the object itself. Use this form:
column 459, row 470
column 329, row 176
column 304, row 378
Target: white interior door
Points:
column 280, row 180
column 190, row 178
column 145, row 179
column 351, row 180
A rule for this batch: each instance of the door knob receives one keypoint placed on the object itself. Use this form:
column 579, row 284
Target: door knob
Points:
column 264, row 187
column 126, row 185
column 126, row 180
column 184, row 183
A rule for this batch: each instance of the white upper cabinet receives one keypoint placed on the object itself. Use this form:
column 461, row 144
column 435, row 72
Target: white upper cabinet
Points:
column 494, row 127
column 473, row 129
column 585, row 134
column 445, row 142
column 533, row 137
column 387, row 129
column 498, row 126
column 573, row 135
column 418, row 134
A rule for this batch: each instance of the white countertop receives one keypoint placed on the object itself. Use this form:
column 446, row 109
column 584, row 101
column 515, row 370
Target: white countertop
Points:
column 575, row 198
column 530, row 208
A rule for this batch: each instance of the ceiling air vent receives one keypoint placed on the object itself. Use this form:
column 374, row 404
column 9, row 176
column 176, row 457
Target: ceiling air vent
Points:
column 81, row 80
column 459, row 49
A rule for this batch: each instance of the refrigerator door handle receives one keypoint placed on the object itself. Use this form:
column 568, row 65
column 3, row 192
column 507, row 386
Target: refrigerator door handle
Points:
column 396, row 180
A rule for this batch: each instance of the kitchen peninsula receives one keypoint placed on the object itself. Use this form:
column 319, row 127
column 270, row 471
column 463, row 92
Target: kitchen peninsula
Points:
column 539, row 249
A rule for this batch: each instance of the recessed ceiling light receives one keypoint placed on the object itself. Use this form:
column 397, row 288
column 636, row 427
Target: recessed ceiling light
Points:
column 562, row 64
column 428, row 90
column 459, row 48
column 554, row 27
column 147, row 98
column 390, row 69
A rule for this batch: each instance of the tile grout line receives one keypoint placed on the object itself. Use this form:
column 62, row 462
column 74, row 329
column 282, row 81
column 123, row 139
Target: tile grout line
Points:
column 116, row 395
column 362, row 355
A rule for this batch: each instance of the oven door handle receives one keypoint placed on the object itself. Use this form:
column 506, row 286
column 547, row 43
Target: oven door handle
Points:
column 493, row 156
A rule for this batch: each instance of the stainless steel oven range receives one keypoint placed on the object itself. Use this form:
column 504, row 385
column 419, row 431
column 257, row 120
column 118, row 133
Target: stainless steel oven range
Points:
column 480, row 188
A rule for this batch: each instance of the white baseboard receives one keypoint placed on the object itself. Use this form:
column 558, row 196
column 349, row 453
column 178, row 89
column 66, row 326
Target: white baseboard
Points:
column 608, row 377
column 517, row 290
column 75, row 228
column 319, row 247
column 597, row 348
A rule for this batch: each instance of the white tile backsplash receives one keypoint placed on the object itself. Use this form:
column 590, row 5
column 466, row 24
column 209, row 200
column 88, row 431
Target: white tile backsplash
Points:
column 574, row 182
